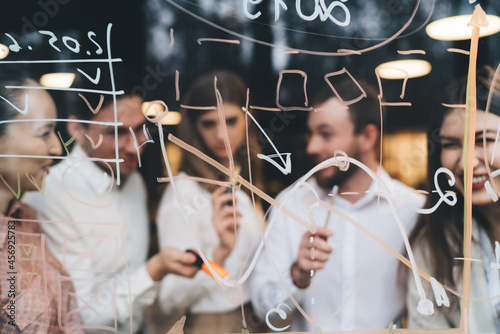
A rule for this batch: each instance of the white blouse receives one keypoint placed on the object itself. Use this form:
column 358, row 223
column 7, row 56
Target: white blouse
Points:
column 203, row 294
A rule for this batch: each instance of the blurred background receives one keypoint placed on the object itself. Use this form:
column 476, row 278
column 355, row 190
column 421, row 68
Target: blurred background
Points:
column 168, row 40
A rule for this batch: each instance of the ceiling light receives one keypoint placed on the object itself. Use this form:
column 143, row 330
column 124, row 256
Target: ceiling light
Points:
column 59, row 80
column 397, row 69
column 173, row 117
column 455, row 28
column 4, row 51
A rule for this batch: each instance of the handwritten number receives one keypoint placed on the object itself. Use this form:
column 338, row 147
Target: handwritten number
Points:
column 324, row 12
column 313, row 16
column 282, row 315
column 52, row 39
column 247, row 13
column 90, row 35
column 75, row 48
column 449, row 198
column 15, row 46
column 327, row 13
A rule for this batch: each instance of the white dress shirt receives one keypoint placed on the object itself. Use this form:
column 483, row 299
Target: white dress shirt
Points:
column 100, row 233
column 202, row 294
column 358, row 287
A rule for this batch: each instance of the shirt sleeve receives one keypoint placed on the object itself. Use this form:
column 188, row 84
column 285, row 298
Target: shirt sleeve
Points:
column 179, row 293
column 271, row 285
column 102, row 298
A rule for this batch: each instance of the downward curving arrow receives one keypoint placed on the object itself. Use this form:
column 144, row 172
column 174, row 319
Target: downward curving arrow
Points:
column 477, row 22
column 287, row 165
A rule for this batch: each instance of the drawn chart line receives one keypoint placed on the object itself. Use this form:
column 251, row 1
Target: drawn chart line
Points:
column 53, row 157
column 67, row 120
column 115, row 60
column 108, row 92
column 218, row 40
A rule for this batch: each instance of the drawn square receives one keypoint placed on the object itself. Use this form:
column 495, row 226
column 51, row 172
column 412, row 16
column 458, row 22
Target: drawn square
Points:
column 88, row 307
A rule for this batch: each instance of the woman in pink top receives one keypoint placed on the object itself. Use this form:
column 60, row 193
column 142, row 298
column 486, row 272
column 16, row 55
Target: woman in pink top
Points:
column 36, row 295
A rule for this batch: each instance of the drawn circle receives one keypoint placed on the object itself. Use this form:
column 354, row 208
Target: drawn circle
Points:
column 75, row 48
column 158, row 115
column 88, row 52
column 282, row 314
column 29, row 47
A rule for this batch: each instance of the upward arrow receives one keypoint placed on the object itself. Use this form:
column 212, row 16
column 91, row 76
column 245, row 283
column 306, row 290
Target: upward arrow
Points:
column 477, row 22
column 479, row 18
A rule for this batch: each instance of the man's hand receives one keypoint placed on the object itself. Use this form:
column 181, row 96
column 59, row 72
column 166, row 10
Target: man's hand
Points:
column 312, row 256
column 170, row 260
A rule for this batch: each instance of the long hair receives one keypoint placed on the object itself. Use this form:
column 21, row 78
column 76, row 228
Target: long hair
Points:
column 441, row 232
column 202, row 94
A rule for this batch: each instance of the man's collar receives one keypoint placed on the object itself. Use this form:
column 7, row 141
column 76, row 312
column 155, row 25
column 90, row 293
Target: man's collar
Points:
column 92, row 173
column 375, row 189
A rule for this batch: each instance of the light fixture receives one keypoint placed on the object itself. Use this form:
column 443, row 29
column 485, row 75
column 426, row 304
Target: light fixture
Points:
column 173, row 117
column 58, row 80
column 405, row 156
column 455, row 28
column 4, row 51
column 396, row 69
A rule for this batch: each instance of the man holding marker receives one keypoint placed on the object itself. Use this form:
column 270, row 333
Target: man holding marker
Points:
column 102, row 232
column 339, row 278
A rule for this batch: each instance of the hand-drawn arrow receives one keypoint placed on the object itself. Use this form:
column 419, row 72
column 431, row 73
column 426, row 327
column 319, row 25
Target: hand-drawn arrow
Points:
column 287, row 165
column 178, row 327
column 477, row 21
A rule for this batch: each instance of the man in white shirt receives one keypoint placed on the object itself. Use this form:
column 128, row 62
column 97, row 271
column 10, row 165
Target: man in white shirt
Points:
column 98, row 229
column 338, row 278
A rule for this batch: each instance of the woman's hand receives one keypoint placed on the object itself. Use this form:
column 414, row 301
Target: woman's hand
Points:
column 226, row 222
column 170, row 260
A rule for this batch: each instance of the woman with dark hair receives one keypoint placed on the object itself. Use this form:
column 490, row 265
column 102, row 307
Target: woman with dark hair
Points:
column 227, row 231
column 438, row 238
column 35, row 290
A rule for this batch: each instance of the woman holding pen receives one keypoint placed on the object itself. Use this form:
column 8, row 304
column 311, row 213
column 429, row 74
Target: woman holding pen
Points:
column 222, row 220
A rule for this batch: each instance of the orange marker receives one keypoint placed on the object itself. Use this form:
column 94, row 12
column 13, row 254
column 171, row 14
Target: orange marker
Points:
column 200, row 264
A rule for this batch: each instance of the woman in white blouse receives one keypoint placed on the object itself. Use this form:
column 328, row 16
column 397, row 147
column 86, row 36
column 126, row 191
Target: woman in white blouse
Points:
column 226, row 231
